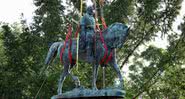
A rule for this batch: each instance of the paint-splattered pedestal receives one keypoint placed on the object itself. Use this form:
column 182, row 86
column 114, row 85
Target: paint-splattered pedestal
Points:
column 78, row 93
column 93, row 97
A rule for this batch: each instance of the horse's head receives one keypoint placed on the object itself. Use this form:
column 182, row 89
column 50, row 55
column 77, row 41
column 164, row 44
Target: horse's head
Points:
column 116, row 35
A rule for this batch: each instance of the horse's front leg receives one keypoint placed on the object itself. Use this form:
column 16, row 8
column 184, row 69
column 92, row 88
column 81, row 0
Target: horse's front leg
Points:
column 117, row 69
column 95, row 74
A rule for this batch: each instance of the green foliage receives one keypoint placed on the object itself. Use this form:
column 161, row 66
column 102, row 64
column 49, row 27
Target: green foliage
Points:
column 14, row 67
column 48, row 20
column 157, row 78
column 123, row 8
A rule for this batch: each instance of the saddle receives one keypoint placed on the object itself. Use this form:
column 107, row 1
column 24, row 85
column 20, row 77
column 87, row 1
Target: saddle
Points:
column 83, row 45
column 82, row 41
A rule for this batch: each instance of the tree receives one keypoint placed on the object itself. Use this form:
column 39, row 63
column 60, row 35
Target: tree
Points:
column 12, row 83
column 48, row 19
column 158, row 78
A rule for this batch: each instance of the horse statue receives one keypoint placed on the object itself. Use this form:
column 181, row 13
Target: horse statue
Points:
column 114, row 37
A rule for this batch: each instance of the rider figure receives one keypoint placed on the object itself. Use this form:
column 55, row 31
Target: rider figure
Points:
column 87, row 24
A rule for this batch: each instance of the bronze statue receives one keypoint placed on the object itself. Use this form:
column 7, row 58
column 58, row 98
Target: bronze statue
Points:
column 114, row 37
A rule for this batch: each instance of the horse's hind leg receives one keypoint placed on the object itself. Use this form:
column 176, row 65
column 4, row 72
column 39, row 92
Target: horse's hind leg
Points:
column 75, row 78
column 95, row 74
column 62, row 78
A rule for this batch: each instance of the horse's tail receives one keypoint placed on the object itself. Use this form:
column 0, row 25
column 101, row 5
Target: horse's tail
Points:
column 52, row 53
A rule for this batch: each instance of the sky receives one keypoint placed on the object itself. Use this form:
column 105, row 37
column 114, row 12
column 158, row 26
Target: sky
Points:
column 10, row 10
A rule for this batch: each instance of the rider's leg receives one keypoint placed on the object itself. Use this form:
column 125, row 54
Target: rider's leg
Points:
column 89, row 49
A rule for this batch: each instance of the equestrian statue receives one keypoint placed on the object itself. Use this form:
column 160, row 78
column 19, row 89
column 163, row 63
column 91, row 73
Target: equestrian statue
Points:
column 96, row 49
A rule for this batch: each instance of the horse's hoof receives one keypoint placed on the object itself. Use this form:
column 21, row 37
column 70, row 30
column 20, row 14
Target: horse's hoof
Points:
column 59, row 92
column 94, row 88
column 80, row 87
column 77, row 85
column 120, row 86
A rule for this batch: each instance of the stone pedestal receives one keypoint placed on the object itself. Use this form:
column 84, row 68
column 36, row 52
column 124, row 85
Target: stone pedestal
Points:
column 81, row 93
column 90, row 97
